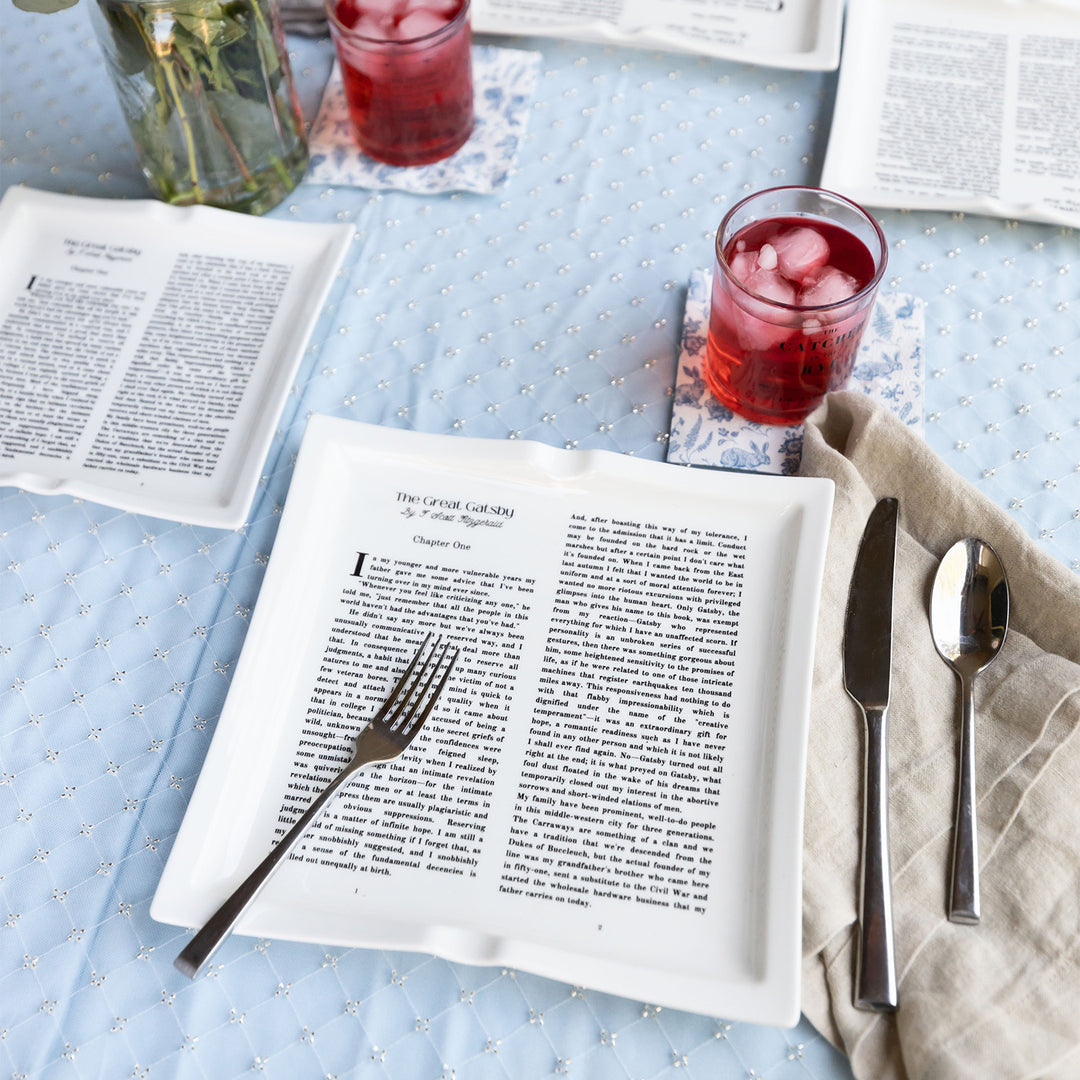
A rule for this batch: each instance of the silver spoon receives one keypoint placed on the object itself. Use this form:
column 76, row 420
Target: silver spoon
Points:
column 969, row 616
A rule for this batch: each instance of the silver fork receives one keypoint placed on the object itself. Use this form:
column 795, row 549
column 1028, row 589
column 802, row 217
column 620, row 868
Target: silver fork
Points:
column 394, row 726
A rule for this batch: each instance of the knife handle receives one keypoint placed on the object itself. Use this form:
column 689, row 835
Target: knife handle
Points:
column 875, row 965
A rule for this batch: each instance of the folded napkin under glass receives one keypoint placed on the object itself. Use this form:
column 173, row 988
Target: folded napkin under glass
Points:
column 889, row 367
column 504, row 83
column 1000, row 999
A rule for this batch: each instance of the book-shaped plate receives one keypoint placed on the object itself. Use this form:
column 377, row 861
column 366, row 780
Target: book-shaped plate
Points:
column 610, row 792
column 917, row 72
column 801, row 36
column 148, row 350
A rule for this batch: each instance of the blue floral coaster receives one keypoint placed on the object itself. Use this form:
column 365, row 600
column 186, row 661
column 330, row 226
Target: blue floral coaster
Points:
column 889, row 367
column 504, row 81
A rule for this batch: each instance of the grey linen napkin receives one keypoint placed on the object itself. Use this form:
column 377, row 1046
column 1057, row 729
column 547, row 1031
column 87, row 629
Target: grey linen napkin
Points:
column 1000, row 1000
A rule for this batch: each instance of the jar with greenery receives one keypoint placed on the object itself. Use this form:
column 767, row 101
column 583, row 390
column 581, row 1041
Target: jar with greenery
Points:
column 207, row 93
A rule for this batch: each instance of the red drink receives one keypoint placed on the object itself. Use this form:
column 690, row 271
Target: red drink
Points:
column 406, row 66
column 790, row 299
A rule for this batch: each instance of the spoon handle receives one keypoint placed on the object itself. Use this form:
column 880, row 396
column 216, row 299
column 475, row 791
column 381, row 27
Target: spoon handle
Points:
column 964, row 889
column 875, row 963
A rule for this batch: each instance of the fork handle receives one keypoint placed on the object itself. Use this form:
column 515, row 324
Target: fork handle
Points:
column 218, row 927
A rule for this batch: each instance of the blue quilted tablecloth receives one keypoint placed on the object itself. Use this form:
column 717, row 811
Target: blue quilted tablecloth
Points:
column 549, row 309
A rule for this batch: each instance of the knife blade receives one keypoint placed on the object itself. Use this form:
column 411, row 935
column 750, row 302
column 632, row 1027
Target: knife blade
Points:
column 867, row 672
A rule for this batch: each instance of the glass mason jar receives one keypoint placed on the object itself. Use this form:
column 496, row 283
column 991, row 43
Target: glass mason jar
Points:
column 206, row 91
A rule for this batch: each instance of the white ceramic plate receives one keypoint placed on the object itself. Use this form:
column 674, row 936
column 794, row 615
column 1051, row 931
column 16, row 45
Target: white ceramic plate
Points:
column 799, row 36
column 903, row 65
column 590, row 814
column 122, row 387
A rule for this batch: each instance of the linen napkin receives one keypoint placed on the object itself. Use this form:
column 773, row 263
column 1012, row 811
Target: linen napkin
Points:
column 999, row 1000
column 889, row 367
column 504, row 81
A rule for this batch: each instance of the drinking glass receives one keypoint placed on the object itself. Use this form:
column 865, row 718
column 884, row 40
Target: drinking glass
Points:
column 406, row 66
column 796, row 273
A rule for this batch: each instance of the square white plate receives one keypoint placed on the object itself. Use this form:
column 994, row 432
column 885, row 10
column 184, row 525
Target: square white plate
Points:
column 96, row 341
column 773, row 33
column 914, row 72
column 632, row 681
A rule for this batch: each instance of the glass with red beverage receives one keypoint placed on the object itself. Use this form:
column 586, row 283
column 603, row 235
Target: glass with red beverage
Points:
column 406, row 66
column 797, row 270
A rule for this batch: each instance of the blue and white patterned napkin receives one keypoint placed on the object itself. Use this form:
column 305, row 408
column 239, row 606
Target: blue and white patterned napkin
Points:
column 889, row 367
column 504, row 81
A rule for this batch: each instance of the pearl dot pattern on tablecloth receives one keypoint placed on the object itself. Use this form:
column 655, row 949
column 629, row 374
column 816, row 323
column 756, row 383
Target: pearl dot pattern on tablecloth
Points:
column 548, row 310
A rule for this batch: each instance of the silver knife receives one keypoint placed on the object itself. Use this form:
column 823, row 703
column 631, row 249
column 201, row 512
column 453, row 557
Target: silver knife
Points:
column 867, row 664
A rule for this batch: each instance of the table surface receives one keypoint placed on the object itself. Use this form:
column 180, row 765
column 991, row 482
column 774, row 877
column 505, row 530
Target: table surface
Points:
column 549, row 310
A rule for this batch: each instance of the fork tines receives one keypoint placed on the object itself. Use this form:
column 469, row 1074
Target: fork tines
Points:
column 410, row 702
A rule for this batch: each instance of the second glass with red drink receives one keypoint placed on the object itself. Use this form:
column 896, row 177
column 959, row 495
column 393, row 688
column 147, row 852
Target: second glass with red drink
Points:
column 406, row 66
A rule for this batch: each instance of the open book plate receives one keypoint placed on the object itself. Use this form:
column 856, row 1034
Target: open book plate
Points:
column 148, row 350
column 961, row 105
column 610, row 791
column 800, row 36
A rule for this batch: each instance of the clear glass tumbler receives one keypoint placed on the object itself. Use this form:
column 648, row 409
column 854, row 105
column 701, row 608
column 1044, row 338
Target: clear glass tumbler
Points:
column 406, row 66
column 797, row 270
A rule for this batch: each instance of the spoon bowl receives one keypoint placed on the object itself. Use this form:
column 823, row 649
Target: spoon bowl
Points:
column 969, row 618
